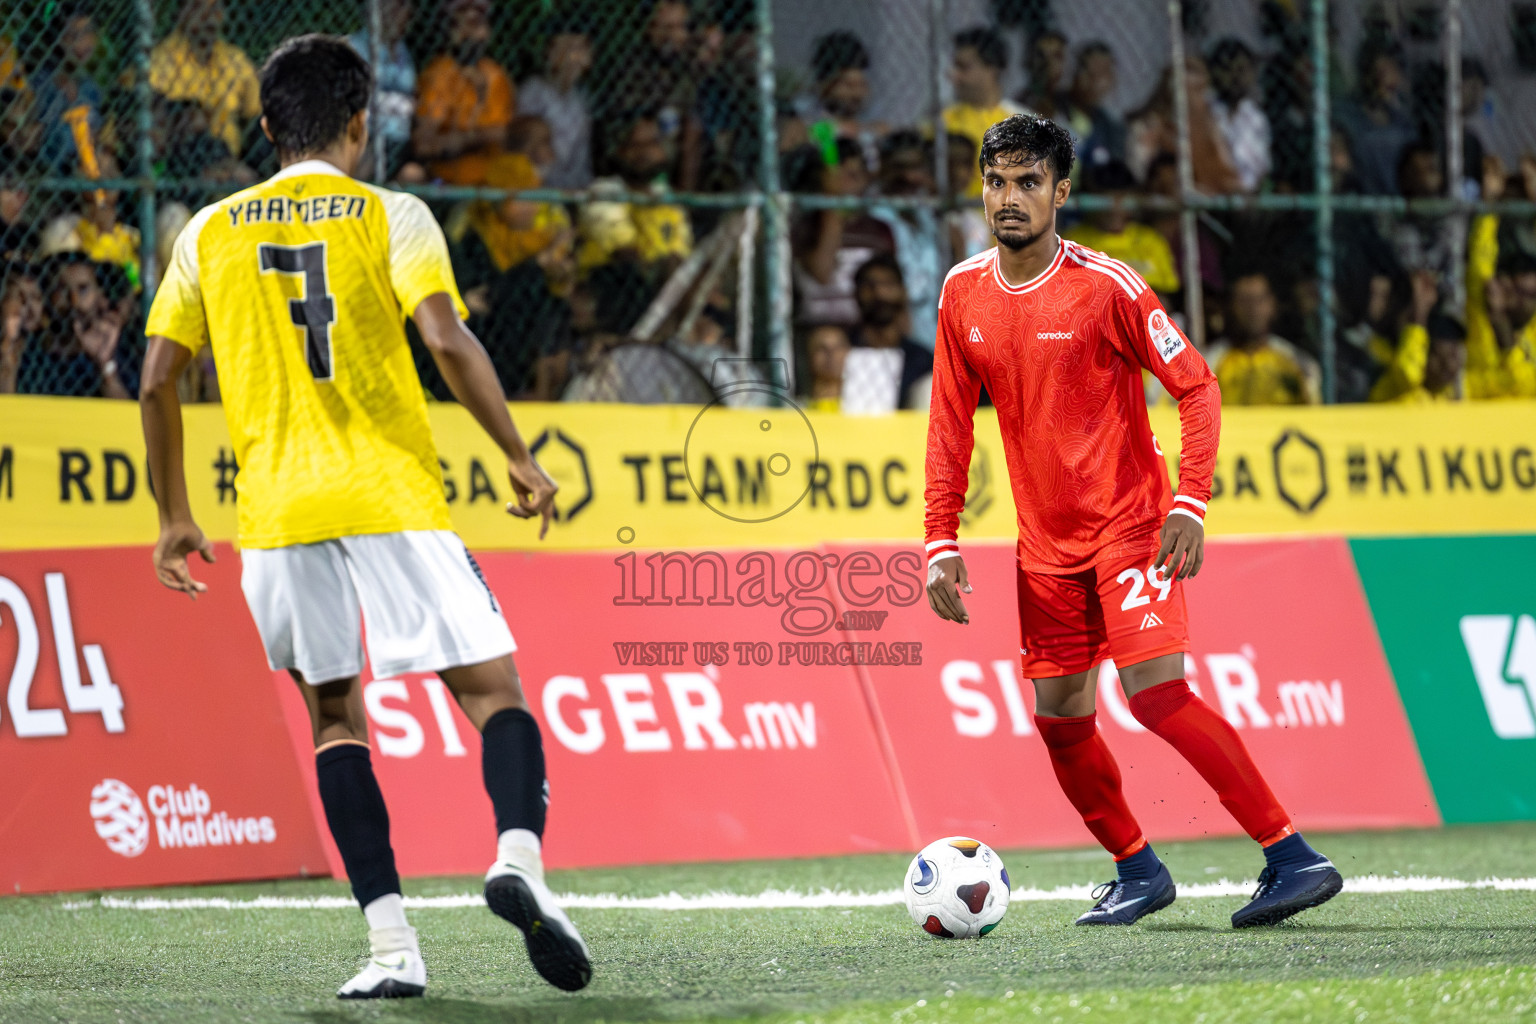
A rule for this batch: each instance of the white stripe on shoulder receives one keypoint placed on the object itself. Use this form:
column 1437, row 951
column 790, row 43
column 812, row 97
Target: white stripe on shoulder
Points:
column 399, row 207
column 410, row 220
column 184, row 246
column 972, row 263
column 1088, row 259
column 1119, row 269
column 1124, row 268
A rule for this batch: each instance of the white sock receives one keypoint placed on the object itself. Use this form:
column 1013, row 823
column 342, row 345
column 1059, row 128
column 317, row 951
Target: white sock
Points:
column 521, row 847
column 386, row 912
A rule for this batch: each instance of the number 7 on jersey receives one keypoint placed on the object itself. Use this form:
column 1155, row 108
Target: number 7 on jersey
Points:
column 315, row 309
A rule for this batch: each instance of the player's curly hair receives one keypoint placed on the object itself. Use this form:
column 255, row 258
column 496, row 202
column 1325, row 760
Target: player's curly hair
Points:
column 311, row 87
column 1025, row 138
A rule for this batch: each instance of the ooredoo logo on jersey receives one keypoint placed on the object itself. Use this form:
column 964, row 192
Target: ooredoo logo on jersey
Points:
column 184, row 818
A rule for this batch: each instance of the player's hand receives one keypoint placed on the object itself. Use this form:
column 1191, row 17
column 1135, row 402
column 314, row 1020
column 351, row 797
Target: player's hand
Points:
column 177, row 541
column 534, row 489
column 947, row 580
column 1183, row 548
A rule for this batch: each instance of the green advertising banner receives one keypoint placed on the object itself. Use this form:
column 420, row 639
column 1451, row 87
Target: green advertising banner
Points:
column 1457, row 616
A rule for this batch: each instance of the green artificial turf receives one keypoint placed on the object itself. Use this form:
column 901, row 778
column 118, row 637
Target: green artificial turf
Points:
column 1467, row 955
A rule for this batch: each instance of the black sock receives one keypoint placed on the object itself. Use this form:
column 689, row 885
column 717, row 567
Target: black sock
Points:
column 1292, row 851
column 354, row 808
column 1140, row 866
column 512, row 759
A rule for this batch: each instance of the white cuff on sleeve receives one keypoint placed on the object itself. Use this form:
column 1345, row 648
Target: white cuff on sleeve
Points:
column 947, row 547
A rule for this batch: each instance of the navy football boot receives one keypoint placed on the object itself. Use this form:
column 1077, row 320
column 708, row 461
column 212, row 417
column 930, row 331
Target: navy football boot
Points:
column 1296, row 878
column 1128, row 901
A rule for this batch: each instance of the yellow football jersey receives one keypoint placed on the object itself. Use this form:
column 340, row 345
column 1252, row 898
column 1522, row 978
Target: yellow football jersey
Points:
column 1274, row 373
column 302, row 284
column 973, row 122
column 1143, row 248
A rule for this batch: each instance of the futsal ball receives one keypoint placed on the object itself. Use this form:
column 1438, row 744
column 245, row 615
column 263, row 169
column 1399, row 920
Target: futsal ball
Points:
column 957, row 888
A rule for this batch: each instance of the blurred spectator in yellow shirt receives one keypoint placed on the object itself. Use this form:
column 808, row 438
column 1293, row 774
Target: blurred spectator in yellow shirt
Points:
column 196, row 63
column 981, row 57
column 96, row 231
column 1427, row 365
column 1115, row 234
column 1501, row 316
column 514, row 261
column 657, row 235
column 507, row 231
column 1253, row 366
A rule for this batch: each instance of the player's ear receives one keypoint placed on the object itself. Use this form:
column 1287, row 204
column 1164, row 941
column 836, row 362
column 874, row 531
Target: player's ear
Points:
column 267, row 131
column 1063, row 190
column 357, row 128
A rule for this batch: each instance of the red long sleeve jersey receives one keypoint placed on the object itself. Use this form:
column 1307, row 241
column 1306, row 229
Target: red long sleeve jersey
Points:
column 1061, row 357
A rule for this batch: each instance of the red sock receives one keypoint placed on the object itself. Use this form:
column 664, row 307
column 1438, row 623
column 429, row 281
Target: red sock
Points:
column 1213, row 748
column 1091, row 779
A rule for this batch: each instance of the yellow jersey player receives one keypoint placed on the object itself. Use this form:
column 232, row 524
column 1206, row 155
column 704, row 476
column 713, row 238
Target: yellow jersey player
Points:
column 301, row 285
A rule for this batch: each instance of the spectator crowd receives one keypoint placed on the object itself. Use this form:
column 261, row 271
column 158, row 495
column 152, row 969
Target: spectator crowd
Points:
column 1429, row 308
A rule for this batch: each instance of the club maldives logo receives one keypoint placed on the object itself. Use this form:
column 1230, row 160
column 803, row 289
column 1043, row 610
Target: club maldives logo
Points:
column 183, row 818
column 120, row 819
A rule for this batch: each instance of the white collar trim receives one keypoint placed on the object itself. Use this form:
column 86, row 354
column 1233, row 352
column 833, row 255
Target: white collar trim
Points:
column 1034, row 282
column 308, row 167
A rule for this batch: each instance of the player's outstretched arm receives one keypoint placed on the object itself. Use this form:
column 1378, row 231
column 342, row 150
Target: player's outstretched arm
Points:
column 472, row 379
column 947, row 580
column 160, row 409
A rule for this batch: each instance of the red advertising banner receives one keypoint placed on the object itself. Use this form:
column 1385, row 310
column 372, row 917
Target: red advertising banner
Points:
column 695, row 706
column 1284, row 646
column 140, row 742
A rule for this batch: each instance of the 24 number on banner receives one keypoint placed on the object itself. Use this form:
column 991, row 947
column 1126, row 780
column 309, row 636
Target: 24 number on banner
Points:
column 100, row 696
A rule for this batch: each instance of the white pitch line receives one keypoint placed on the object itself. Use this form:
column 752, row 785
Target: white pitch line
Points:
column 778, row 899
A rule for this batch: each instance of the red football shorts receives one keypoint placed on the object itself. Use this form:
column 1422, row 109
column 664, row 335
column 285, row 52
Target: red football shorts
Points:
column 1118, row 609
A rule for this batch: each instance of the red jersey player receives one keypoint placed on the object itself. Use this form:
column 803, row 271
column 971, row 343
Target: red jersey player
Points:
column 1059, row 335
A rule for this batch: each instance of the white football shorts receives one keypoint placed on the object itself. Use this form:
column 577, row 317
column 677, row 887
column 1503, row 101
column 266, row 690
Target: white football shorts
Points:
column 424, row 600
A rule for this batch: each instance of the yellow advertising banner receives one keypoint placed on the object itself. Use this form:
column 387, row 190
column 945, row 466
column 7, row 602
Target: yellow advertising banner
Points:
column 72, row 474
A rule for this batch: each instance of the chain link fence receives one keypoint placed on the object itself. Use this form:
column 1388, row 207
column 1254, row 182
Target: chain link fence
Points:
column 657, row 201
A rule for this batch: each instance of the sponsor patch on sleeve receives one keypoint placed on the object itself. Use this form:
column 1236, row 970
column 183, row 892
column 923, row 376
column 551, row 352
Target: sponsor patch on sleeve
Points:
column 1165, row 337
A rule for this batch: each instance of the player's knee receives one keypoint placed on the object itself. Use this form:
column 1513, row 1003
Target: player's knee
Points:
column 1063, row 705
column 1066, row 697
column 495, row 681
